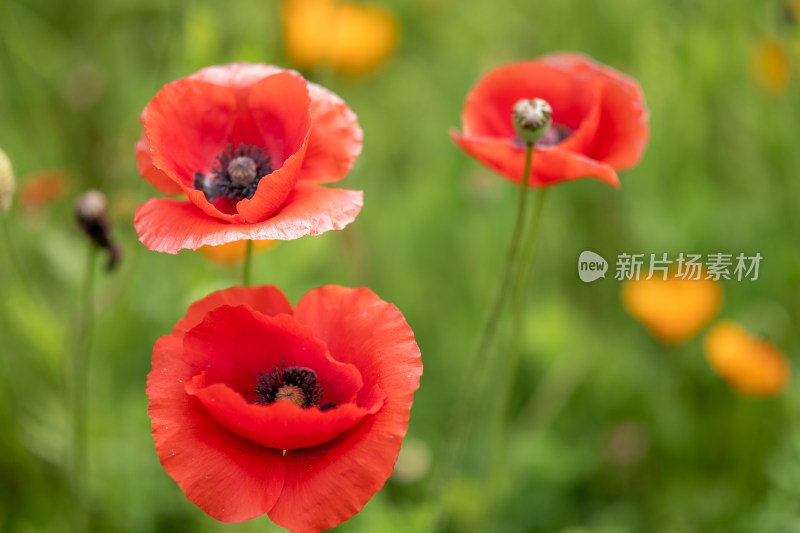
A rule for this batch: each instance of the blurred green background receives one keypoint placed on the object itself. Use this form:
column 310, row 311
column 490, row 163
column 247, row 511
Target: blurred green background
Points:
column 612, row 432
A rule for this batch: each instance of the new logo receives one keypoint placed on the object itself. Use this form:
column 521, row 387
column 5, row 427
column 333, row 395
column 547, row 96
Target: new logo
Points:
column 591, row 266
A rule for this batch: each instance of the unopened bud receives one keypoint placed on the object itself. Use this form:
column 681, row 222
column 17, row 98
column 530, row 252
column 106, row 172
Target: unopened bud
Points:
column 90, row 207
column 90, row 211
column 6, row 183
column 532, row 119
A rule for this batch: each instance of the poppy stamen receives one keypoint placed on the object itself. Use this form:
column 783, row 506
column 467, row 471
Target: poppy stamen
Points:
column 236, row 173
column 295, row 384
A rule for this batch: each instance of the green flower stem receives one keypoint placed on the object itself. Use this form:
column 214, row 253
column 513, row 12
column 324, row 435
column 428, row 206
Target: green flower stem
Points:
column 528, row 256
column 474, row 380
column 80, row 381
column 483, row 353
column 501, row 431
column 248, row 263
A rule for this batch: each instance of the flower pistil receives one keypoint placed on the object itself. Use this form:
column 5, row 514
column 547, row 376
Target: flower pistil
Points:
column 295, row 384
column 236, row 173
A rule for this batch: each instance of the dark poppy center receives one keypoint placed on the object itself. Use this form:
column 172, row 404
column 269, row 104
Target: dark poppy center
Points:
column 295, row 384
column 235, row 174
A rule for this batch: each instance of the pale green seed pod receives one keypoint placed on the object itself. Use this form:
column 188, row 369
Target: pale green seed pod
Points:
column 532, row 119
column 6, row 183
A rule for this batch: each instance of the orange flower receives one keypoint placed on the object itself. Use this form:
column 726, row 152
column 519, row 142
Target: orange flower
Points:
column 771, row 66
column 673, row 309
column 43, row 188
column 351, row 38
column 750, row 365
column 233, row 252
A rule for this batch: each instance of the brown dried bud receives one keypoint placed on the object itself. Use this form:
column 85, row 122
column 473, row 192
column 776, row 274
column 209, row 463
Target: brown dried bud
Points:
column 90, row 212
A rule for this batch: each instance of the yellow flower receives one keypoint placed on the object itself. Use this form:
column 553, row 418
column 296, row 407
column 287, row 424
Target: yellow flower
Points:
column 750, row 365
column 233, row 252
column 351, row 38
column 673, row 310
column 771, row 65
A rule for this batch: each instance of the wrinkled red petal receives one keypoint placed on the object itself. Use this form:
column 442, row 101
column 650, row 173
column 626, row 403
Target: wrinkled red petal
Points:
column 361, row 329
column 236, row 75
column 550, row 165
column 279, row 108
column 555, row 164
column 335, row 140
column 157, row 179
column 281, row 425
column 487, row 111
column 188, row 123
column 624, row 120
column 625, row 129
column 266, row 299
column 230, row 356
column 167, row 225
column 230, row 478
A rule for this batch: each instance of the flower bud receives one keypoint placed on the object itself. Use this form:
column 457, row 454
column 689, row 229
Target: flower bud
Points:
column 90, row 212
column 6, row 183
column 532, row 119
column 90, row 207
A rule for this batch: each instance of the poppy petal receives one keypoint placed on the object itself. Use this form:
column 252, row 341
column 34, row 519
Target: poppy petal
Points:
column 361, row 329
column 280, row 425
column 205, row 114
column 218, row 346
column 623, row 120
column 280, row 110
column 157, row 179
column 230, row 478
column 308, row 210
column 488, row 109
column 335, row 140
column 266, row 299
column 624, row 124
column 550, row 165
column 236, row 75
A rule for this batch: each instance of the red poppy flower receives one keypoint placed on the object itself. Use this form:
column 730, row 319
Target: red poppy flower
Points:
column 600, row 122
column 248, row 145
column 258, row 408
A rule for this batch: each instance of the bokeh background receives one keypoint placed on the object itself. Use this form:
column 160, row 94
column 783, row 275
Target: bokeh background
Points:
column 612, row 430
